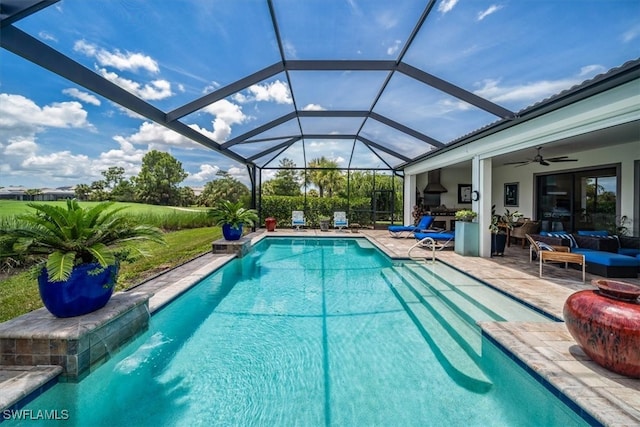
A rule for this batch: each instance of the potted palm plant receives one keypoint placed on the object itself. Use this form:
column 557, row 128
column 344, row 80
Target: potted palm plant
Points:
column 499, row 226
column 231, row 217
column 81, row 250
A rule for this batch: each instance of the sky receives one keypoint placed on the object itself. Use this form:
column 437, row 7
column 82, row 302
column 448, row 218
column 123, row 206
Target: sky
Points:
column 515, row 53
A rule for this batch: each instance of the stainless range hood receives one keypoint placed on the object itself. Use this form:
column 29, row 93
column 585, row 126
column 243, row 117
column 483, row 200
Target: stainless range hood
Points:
column 434, row 186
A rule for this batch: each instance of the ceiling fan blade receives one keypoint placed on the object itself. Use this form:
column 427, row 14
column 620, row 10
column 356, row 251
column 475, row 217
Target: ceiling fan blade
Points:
column 561, row 160
column 518, row 163
column 543, row 163
column 553, row 159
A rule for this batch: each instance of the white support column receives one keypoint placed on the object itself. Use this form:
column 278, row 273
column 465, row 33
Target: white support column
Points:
column 409, row 197
column 481, row 174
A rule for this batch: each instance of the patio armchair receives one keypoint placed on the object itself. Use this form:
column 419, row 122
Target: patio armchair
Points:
column 298, row 220
column 549, row 253
column 340, row 220
column 525, row 227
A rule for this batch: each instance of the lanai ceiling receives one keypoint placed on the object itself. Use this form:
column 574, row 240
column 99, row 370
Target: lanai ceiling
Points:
column 374, row 84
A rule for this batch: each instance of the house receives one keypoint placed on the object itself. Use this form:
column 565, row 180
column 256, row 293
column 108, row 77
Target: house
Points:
column 590, row 135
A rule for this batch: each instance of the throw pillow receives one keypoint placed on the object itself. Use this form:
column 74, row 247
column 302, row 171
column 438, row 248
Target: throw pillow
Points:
column 565, row 235
column 544, row 247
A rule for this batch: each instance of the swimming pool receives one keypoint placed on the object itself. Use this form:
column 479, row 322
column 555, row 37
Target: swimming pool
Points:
column 317, row 332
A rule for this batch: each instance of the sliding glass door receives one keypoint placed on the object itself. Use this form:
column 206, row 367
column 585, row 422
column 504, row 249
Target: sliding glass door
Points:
column 579, row 200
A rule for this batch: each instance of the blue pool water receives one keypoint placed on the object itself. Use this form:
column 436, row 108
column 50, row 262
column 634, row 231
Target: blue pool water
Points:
column 313, row 333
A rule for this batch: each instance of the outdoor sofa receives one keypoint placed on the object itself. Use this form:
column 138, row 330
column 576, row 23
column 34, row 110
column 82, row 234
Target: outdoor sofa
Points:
column 601, row 252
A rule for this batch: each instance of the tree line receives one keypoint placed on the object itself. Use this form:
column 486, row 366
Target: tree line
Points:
column 158, row 183
column 161, row 175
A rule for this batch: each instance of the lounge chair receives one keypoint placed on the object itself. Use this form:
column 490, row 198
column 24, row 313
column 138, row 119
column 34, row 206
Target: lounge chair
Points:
column 406, row 230
column 340, row 220
column 297, row 220
column 442, row 239
column 550, row 253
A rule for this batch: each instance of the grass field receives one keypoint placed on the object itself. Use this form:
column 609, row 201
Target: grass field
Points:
column 14, row 207
column 167, row 218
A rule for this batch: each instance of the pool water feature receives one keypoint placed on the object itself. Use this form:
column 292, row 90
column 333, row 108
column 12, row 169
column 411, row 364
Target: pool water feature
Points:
column 317, row 332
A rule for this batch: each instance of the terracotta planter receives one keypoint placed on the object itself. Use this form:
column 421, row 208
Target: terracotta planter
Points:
column 606, row 324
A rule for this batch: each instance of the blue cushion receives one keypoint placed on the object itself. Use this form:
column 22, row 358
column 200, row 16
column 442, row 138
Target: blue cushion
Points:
column 593, row 233
column 629, row 251
column 607, row 258
column 435, row 236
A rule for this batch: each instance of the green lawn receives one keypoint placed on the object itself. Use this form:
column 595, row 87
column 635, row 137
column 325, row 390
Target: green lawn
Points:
column 14, row 207
column 19, row 293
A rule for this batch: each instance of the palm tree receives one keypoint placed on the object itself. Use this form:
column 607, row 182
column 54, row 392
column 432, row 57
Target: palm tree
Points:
column 324, row 174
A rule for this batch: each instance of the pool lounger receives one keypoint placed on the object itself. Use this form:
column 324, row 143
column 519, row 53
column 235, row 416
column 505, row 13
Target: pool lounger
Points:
column 442, row 238
column 406, row 230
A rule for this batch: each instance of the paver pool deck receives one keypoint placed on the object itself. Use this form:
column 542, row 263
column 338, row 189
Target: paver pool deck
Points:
column 546, row 349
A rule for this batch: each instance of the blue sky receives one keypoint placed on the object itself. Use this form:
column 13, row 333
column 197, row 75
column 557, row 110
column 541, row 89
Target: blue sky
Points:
column 515, row 53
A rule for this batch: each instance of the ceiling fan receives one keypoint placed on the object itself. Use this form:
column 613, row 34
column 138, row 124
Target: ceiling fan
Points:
column 544, row 162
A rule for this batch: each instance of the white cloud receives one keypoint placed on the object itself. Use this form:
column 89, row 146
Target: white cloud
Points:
column 82, row 96
column 61, row 164
column 226, row 114
column 158, row 137
column 21, row 160
column 122, row 61
column 289, row 49
column 534, row 91
column 392, row 50
column 491, row 9
column 239, row 173
column 157, row 89
column 211, row 87
column 47, row 36
column 387, row 20
column 313, row 107
column 275, row 91
column 20, row 147
column 631, row 34
column 19, row 112
column 127, row 157
column 206, row 173
column 589, row 71
column 446, row 6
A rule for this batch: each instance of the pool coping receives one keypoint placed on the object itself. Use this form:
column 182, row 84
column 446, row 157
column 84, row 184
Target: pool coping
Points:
column 547, row 352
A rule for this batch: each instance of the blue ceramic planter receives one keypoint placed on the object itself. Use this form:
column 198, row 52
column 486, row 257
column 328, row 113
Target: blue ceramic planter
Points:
column 81, row 294
column 231, row 233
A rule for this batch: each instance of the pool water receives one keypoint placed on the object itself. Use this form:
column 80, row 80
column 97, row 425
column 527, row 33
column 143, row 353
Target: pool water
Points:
column 311, row 333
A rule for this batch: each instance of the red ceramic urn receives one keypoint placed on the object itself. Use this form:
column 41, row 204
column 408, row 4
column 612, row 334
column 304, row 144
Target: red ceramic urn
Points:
column 606, row 324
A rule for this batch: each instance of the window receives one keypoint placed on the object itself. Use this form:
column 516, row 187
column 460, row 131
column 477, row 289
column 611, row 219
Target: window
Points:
column 582, row 200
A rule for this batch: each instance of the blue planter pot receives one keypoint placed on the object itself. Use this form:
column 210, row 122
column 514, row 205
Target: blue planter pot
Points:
column 82, row 293
column 231, row 233
column 498, row 243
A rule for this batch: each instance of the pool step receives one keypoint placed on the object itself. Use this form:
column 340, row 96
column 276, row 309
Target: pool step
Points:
column 492, row 303
column 460, row 326
column 464, row 304
column 451, row 350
